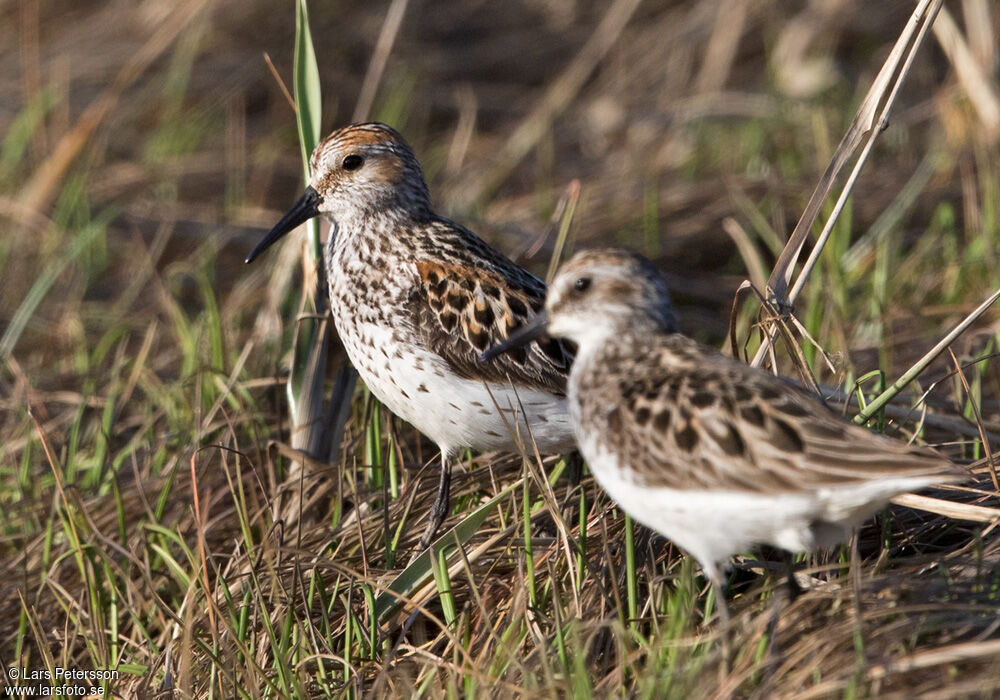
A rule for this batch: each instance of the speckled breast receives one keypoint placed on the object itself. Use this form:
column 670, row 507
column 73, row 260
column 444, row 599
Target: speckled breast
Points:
column 369, row 304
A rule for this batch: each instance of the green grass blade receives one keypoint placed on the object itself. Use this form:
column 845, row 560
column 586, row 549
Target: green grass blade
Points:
column 419, row 571
column 631, row 575
column 308, row 103
column 44, row 282
column 305, row 384
column 921, row 364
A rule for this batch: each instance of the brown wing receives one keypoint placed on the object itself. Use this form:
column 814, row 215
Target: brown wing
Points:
column 698, row 419
column 464, row 309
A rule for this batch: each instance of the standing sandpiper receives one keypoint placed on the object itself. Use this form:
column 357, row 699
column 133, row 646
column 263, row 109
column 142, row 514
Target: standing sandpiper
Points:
column 708, row 451
column 416, row 298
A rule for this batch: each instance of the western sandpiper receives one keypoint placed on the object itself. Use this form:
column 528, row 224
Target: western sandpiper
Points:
column 416, row 298
column 706, row 450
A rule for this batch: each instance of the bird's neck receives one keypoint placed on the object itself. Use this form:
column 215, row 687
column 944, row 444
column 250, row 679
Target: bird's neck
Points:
column 595, row 338
column 607, row 343
column 369, row 230
column 591, row 347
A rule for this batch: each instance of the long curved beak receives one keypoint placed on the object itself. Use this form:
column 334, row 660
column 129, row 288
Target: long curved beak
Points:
column 306, row 208
column 532, row 330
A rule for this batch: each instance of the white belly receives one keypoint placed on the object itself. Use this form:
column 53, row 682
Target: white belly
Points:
column 712, row 525
column 709, row 525
column 455, row 413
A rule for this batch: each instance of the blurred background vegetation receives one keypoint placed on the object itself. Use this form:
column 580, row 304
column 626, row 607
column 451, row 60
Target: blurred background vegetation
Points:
column 149, row 144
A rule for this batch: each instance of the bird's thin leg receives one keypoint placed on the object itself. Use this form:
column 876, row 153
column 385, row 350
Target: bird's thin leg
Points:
column 718, row 585
column 440, row 508
column 713, row 574
column 794, row 589
column 575, row 471
column 574, row 461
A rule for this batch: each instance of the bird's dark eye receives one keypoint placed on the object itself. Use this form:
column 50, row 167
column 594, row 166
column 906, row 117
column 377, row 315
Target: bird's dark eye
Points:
column 353, row 162
column 582, row 284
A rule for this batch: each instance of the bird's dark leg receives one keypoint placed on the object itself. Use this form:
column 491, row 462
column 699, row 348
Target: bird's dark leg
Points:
column 794, row 589
column 440, row 508
column 575, row 470
column 719, row 586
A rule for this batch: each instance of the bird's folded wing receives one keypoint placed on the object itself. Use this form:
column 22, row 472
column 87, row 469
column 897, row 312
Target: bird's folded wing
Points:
column 701, row 420
column 461, row 310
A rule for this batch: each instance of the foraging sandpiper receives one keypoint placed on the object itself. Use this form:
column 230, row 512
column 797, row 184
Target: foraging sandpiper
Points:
column 708, row 451
column 417, row 298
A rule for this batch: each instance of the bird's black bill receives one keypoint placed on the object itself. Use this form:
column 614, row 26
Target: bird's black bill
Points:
column 306, row 208
column 532, row 330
